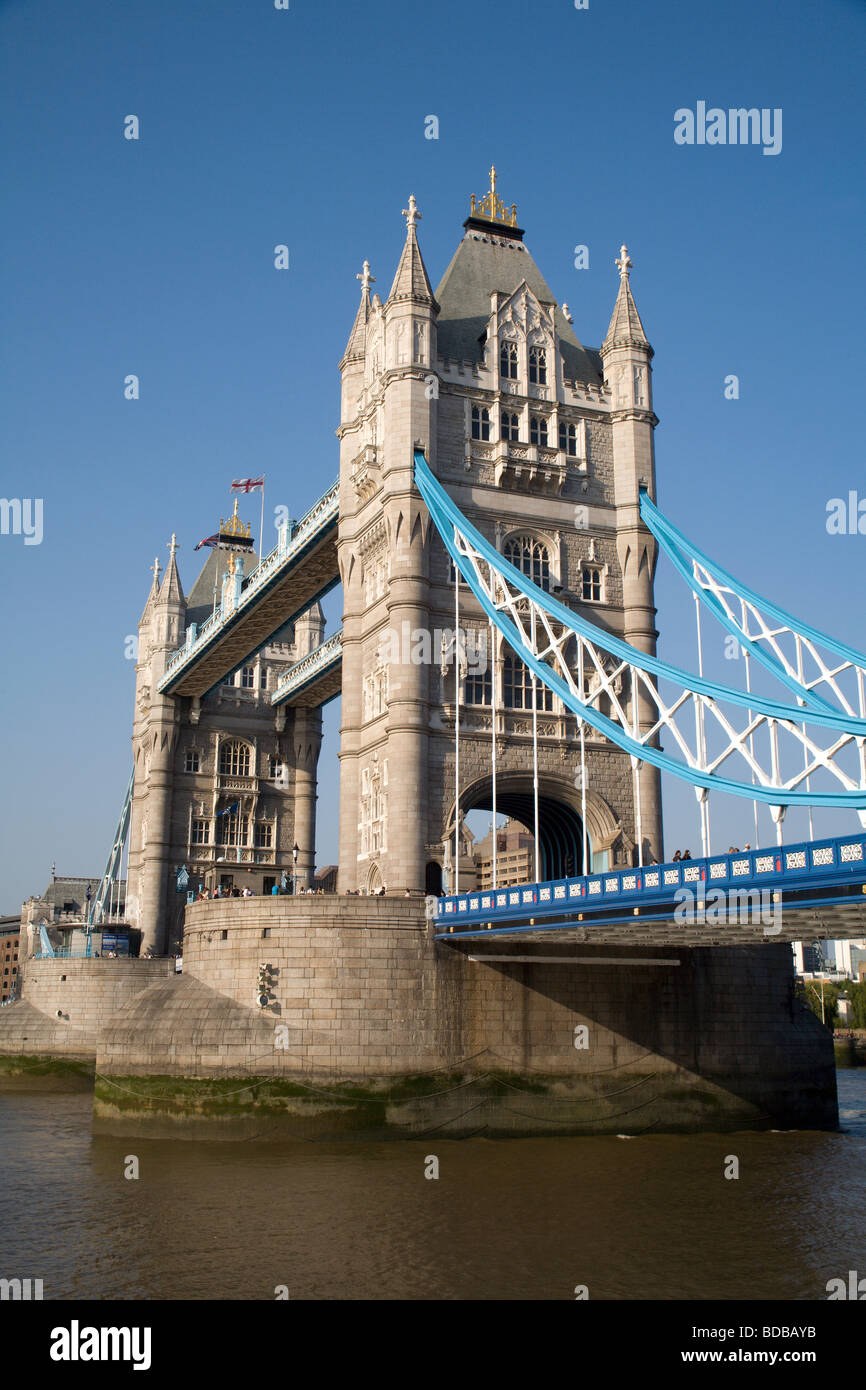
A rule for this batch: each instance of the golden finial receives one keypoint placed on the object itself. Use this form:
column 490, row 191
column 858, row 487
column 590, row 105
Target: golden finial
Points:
column 234, row 526
column 232, row 559
column 491, row 206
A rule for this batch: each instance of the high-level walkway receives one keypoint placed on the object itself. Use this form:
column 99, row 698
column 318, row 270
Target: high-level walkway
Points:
column 299, row 571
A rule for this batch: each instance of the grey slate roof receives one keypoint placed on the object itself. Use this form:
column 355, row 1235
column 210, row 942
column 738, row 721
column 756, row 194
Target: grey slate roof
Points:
column 478, row 267
column 199, row 605
column 200, row 601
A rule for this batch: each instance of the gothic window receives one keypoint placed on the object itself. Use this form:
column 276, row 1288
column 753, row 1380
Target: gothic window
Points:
column 232, row 829
column 478, row 688
column 568, row 439
column 248, row 677
column 510, row 426
column 230, row 680
column 275, row 765
column 200, row 830
column 376, row 693
column 538, row 430
column 480, row 422
column 374, row 809
column 234, row 760
column 517, row 687
column 591, row 588
column 192, row 760
column 264, row 679
column 264, row 834
column 531, row 557
column 508, row 361
column 538, row 366
column 375, row 576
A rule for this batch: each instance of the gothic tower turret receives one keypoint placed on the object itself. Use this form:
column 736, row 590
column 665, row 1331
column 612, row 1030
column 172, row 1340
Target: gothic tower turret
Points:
column 155, row 732
column 627, row 355
column 387, row 411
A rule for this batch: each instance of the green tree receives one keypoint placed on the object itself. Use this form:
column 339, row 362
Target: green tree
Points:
column 857, row 995
column 811, row 994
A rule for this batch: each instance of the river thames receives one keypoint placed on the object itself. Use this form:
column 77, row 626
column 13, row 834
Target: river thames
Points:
column 652, row 1217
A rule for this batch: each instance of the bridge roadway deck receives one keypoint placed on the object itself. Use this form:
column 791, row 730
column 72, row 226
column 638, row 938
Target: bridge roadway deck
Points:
column 810, row 891
column 274, row 594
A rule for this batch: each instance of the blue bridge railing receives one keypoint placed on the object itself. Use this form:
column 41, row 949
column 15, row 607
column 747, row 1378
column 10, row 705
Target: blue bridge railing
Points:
column 831, row 863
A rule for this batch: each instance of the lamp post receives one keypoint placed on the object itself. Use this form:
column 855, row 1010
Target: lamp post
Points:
column 295, row 852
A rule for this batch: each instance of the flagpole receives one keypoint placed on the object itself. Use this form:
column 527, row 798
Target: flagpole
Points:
column 262, row 526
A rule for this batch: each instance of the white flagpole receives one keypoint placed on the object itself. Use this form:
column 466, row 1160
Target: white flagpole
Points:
column 262, row 525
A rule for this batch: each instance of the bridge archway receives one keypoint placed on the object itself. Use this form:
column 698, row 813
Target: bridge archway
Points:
column 559, row 817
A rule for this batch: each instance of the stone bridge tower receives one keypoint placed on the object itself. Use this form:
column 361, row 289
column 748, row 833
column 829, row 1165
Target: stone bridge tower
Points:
column 543, row 444
column 225, row 784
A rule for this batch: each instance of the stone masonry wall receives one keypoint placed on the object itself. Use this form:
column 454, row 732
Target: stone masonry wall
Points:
column 362, row 996
column 85, row 993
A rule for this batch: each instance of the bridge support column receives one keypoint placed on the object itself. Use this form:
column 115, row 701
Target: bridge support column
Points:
column 307, row 746
column 151, row 829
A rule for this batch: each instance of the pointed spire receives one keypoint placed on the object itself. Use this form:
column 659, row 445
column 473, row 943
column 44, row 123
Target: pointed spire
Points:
column 357, row 344
column 626, row 329
column 411, row 281
column 154, row 591
column 171, row 590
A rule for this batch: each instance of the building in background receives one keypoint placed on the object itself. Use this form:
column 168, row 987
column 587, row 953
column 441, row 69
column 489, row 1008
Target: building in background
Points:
column 515, row 856
column 831, row 957
column 10, row 939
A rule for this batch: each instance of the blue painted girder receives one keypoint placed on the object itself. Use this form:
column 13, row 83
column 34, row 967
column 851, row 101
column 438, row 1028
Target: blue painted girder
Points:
column 448, row 518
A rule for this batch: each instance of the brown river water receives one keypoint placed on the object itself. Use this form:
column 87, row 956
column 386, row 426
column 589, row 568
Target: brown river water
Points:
column 652, row 1217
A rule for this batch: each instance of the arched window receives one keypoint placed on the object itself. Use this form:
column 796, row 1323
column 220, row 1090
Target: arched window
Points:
column 531, row 557
column 538, row 366
column 538, row 430
column 568, row 439
column 234, row 760
column 510, row 426
column 517, row 687
column 480, row 422
column 508, row 361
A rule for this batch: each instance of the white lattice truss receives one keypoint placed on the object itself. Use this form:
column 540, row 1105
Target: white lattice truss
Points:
column 716, row 737
column 799, row 655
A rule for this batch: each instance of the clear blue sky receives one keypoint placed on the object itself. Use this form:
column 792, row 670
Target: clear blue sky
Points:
column 306, row 127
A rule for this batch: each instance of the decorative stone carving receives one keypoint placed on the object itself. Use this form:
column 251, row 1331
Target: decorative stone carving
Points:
column 365, row 472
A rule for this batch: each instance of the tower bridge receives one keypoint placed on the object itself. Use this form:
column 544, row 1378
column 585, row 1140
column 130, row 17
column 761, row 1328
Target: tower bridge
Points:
column 496, row 478
column 496, row 481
